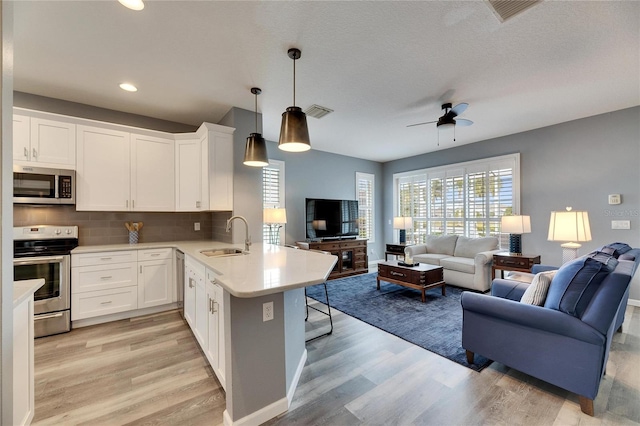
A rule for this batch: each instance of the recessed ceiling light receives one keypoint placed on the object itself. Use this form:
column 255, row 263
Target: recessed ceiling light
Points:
column 128, row 87
column 132, row 4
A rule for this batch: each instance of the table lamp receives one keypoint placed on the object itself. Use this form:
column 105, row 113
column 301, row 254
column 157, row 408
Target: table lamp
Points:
column 572, row 227
column 275, row 218
column 515, row 225
column 402, row 223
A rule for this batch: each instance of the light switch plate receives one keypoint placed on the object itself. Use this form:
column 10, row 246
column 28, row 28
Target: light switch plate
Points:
column 614, row 199
column 620, row 224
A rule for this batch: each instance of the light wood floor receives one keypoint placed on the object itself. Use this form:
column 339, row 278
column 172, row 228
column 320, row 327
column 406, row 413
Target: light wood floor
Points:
column 150, row 371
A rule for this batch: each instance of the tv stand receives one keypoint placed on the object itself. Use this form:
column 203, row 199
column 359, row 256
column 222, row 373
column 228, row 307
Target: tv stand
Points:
column 351, row 253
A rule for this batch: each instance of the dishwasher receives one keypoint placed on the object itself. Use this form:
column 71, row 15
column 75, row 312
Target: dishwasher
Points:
column 180, row 280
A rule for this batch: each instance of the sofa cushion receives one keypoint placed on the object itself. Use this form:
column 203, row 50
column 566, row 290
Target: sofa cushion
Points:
column 536, row 293
column 441, row 244
column 469, row 247
column 460, row 264
column 574, row 285
column 429, row 258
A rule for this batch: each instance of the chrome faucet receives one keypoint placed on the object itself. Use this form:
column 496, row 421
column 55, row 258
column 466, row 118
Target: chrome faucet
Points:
column 247, row 241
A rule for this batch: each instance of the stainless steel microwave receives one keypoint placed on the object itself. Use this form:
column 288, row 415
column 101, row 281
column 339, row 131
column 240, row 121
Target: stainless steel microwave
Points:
column 39, row 185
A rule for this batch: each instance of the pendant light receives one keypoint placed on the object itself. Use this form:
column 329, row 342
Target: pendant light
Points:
column 294, row 134
column 255, row 152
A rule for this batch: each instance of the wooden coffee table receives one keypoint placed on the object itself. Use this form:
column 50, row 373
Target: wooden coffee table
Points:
column 422, row 277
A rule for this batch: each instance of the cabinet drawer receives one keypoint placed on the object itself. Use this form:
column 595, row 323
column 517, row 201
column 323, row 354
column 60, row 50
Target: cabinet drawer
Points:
column 514, row 262
column 104, row 258
column 325, row 246
column 103, row 302
column 99, row 277
column 155, row 254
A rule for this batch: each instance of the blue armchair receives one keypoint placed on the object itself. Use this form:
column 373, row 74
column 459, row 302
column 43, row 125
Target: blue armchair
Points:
column 566, row 350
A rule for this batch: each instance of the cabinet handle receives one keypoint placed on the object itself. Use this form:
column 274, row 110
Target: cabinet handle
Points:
column 108, row 277
column 106, row 303
column 398, row 274
column 26, row 153
column 126, row 203
column 133, row 204
column 213, row 307
column 105, row 258
column 140, row 268
column 155, row 254
column 190, row 282
column 35, row 153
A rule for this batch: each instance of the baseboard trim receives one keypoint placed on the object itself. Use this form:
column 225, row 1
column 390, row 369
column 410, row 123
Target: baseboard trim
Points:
column 296, row 378
column 260, row 416
column 122, row 315
column 634, row 302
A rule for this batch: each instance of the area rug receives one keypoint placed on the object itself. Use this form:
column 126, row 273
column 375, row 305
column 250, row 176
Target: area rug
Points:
column 435, row 325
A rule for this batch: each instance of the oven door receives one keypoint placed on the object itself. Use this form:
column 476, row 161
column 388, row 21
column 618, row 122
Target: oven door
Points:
column 54, row 295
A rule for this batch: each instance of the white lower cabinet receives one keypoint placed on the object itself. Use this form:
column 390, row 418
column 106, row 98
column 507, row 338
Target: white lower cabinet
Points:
column 204, row 312
column 105, row 283
column 155, row 277
column 215, row 338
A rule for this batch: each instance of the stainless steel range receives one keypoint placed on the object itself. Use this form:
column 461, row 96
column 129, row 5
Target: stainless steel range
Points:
column 45, row 252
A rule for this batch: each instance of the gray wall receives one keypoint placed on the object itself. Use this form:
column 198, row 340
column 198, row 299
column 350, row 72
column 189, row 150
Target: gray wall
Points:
column 312, row 174
column 575, row 164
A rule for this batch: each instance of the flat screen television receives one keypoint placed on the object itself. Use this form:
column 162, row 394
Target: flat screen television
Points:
column 331, row 219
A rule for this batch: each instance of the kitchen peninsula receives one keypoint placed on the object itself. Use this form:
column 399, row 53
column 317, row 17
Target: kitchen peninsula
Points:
column 262, row 359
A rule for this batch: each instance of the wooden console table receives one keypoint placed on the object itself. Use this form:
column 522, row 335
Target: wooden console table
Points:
column 352, row 255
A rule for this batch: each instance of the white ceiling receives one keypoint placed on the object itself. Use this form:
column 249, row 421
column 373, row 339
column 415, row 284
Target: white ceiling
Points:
column 379, row 65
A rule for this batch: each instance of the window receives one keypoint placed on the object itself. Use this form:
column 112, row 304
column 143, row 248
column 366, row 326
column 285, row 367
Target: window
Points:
column 462, row 199
column 272, row 192
column 365, row 190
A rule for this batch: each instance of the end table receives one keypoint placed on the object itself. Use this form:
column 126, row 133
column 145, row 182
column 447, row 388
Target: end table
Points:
column 513, row 262
column 395, row 249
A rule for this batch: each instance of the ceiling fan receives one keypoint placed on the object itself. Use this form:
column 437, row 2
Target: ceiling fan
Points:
column 449, row 117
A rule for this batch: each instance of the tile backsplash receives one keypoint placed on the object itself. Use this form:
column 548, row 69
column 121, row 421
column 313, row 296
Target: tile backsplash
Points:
column 96, row 228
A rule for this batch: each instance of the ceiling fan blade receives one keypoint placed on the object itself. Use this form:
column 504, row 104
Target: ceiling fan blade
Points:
column 420, row 124
column 463, row 122
column 459, row 109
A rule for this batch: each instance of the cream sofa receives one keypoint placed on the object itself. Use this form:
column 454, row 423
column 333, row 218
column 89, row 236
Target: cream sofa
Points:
column 466, row 262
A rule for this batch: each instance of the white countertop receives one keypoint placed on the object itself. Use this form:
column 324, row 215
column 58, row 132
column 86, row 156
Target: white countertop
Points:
column 22, row 290
column 267, row 269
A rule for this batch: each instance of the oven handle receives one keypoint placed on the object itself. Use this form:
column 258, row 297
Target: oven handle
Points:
column 37, row 260
column 47, row 316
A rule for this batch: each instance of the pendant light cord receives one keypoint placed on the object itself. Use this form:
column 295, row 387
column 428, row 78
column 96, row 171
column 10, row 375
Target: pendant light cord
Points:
column 294, row 81
column 256, row 110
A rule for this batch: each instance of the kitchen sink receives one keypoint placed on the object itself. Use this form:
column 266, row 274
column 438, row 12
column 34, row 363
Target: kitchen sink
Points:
column 225, row 251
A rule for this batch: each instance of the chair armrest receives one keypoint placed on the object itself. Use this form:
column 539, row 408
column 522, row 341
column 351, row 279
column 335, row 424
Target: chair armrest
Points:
column 542, row 268
column 508, row 289
column 531, row 316
column 416, row 249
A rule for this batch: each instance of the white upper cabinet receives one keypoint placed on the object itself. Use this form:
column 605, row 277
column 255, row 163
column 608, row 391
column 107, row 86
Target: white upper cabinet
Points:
column 44, row 142
column 152, row 173
column 188, row 189
column 103, row 167
column 204, row 169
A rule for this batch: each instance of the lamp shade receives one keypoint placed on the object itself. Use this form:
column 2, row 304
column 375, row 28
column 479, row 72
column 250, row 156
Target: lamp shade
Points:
column 294, row 133
column 571, row 226
column 515, row 224
column 274, row 216
column 255, row 152
column 402, row 222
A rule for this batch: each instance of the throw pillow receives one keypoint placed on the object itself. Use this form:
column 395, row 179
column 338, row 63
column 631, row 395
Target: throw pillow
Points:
column 605, row 258
column 536, row 293
column 574, row 285
column 620, row 248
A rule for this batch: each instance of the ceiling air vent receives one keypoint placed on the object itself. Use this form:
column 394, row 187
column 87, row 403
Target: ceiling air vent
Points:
column 506, row 9
column 317, row 111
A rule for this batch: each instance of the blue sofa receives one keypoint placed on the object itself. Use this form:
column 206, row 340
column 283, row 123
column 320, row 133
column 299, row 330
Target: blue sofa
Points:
column 565, row 346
